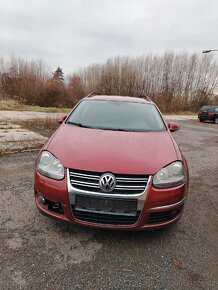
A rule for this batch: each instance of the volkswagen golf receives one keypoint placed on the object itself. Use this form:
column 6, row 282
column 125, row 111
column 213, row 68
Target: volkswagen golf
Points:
column 112, row 163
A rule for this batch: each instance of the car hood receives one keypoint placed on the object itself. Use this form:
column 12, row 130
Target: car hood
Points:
column 113, row 151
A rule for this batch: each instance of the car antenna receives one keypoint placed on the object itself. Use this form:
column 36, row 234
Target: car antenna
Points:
column 92, row 94
column 145, row 97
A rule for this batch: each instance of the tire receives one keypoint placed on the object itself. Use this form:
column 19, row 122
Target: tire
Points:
column 215, row 121
column 200, row 120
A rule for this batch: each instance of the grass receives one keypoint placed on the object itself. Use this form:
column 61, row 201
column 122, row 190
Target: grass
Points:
column 187, row 113
column 12, row 105
column 45, row 127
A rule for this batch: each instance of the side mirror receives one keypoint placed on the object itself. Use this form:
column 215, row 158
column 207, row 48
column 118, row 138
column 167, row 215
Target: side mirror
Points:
column 62, row 118
column 173, row 127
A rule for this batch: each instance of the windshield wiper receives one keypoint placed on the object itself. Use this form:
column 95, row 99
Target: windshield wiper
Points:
column 100, row 128
column 112, row 129
column 78, row 124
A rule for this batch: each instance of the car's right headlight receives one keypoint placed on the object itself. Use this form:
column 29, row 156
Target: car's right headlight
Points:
column 170, row 176
column 50, row 166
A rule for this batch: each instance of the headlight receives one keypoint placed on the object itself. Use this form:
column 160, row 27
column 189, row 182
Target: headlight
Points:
column 169, row 176
column 50, row 166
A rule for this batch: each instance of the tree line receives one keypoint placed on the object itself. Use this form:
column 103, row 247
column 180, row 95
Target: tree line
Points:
column 176, row 82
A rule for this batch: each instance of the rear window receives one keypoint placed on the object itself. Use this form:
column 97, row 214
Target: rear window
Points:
column 206, row 108
column 118, row 116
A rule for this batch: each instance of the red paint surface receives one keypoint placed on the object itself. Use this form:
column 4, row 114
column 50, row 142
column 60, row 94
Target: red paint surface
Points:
column 116, row 152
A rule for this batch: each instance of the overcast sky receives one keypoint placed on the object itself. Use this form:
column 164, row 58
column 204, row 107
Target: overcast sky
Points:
column 75, row 33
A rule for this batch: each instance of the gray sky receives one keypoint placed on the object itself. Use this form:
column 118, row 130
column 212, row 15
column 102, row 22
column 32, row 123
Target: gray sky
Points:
column 75, row 33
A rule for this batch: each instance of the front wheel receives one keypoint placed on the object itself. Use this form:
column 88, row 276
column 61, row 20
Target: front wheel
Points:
column 200, row 120
column 215, row 121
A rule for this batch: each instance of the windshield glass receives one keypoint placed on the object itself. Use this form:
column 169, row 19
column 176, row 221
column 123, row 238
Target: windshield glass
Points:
column 115, row 115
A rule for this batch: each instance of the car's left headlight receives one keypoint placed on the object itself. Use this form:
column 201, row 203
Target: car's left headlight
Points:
column 169, row 176
column 50, row 166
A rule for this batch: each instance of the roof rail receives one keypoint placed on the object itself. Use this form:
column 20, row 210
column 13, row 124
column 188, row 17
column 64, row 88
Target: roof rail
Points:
column 92, row 94
column 145, row 97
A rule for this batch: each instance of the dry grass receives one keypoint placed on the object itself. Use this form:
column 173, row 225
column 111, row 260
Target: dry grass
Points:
column 45, row 127
column 187, row 113
column 12, row 105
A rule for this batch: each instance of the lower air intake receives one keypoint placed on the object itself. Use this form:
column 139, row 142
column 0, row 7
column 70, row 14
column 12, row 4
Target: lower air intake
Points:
column 161, row 217
column 106, row 219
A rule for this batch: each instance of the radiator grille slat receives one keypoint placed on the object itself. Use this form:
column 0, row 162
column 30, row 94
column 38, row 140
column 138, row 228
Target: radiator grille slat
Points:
column 125, row 183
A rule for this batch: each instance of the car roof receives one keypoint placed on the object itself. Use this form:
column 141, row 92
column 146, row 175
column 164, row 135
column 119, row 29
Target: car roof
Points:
column 119, row 98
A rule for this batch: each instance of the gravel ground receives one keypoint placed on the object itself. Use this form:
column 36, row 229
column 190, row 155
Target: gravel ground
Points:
column 26, row 115
column 41, row 253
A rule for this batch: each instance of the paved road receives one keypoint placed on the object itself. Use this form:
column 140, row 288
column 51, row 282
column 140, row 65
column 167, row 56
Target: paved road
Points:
column 13, row 137
column 40, row 253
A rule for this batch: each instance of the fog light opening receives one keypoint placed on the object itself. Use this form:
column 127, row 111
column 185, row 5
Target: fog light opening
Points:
column 56, row 206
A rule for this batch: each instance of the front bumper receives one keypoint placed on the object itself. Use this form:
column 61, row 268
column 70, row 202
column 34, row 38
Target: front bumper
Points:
column 156, row 208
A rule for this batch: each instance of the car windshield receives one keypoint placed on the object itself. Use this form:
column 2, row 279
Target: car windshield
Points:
column 116, row 115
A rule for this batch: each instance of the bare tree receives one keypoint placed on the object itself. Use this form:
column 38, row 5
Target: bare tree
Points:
column 176, row 82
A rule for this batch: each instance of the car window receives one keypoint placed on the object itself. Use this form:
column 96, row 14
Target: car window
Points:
column 216, row 109
column 205, row 108
column 115, row 115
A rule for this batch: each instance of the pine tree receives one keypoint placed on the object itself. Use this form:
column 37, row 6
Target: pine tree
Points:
column 58, row 75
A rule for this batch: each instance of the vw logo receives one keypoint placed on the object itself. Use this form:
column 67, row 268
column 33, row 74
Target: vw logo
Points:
column 107, row 182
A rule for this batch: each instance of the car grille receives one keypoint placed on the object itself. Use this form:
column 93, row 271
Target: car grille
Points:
column 125, row 183
column 106, row 219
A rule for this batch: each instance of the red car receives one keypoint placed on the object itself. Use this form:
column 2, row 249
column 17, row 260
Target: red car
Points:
column 113, row 163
